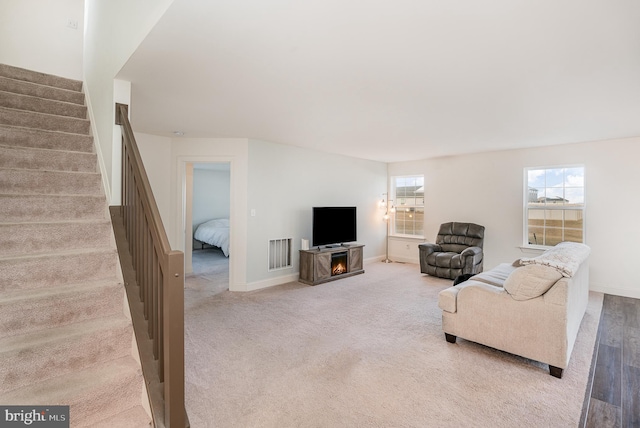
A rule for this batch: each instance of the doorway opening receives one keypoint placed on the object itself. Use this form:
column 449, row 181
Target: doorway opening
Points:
column 207, row 226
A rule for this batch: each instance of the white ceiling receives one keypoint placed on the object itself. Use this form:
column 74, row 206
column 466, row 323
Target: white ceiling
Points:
column 392, row 81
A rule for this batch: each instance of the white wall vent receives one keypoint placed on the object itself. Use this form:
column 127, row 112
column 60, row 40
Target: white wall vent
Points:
column 279, row 254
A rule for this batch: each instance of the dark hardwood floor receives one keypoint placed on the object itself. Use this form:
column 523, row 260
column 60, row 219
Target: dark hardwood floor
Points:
column 615, row 391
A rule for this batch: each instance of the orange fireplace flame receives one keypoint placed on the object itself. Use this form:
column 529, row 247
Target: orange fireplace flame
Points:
column 338, row 269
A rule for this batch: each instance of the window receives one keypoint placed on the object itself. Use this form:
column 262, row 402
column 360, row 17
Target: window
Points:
column 554, row 205
column 407, row 201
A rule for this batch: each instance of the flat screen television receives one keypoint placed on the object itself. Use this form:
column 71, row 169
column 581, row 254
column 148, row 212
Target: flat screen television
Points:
column 333, row 225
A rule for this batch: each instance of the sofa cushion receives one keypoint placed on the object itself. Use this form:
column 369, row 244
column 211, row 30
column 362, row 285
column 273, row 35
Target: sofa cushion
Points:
column 530, row 281
column 496, row 276
column 445, row 260
column 455, row 237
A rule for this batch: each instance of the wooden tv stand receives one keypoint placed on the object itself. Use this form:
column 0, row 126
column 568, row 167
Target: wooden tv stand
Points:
column 316, row 264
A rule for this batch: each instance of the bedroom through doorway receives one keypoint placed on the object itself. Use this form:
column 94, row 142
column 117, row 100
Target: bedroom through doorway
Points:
column 207, row 229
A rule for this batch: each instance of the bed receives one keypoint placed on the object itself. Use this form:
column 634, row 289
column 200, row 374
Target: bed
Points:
column 214, row 232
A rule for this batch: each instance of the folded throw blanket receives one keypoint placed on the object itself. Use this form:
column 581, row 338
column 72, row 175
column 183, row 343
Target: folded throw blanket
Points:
column 565, row 257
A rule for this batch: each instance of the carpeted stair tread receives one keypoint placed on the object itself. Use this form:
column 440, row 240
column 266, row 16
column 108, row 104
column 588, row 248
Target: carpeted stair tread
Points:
column 42, row 105
column 43, row 354
column 94, row 393
column 51, row 270
column 18, row 73
column 41, row 91
column 16, row 136
column 81, row 302
column 38, row 208
column 135, row 417
column 45, row 121
column 52, row 160
column 65, row 331
column 36, row 238
column 28, row 181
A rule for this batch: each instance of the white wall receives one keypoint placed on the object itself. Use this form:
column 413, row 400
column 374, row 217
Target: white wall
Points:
column 487, row 188
column 211, row 194
column 114, row 29
column 285, row 182
column 281, row 183
column 156, row 157
column 34, row 35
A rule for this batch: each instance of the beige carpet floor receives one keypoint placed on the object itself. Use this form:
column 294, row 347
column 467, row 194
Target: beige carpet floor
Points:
column 365, row 351
column 210, row 272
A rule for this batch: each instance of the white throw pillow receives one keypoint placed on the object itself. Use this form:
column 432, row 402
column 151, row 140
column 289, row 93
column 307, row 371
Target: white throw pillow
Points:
column 530, row 281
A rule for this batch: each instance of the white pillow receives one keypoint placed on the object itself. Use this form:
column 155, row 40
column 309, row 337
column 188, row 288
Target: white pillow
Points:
column 530, row 281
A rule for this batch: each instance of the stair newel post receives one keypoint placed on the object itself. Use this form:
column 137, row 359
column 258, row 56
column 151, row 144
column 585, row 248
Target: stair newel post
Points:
column 173, row 325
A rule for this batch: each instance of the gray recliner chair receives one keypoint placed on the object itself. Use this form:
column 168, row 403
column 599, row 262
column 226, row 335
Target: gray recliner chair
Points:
column 457, row 251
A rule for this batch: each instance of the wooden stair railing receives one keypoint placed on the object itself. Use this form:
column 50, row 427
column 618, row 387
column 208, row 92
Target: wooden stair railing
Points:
column 155, row 286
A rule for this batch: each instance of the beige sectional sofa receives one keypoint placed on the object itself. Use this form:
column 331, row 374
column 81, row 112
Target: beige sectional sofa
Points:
column 532, row 307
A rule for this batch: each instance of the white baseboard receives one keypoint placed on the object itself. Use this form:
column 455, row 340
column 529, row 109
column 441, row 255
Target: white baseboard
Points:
column 378, row 259
column 293, row 277
column 399, row 259
column 258, row 285
column 616, row 291
column 96, row 145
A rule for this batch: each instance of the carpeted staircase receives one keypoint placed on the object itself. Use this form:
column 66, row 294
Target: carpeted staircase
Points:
column 65, row 331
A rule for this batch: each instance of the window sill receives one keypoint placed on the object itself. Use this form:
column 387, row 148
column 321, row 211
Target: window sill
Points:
column 533, row 248
column 416, row 237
